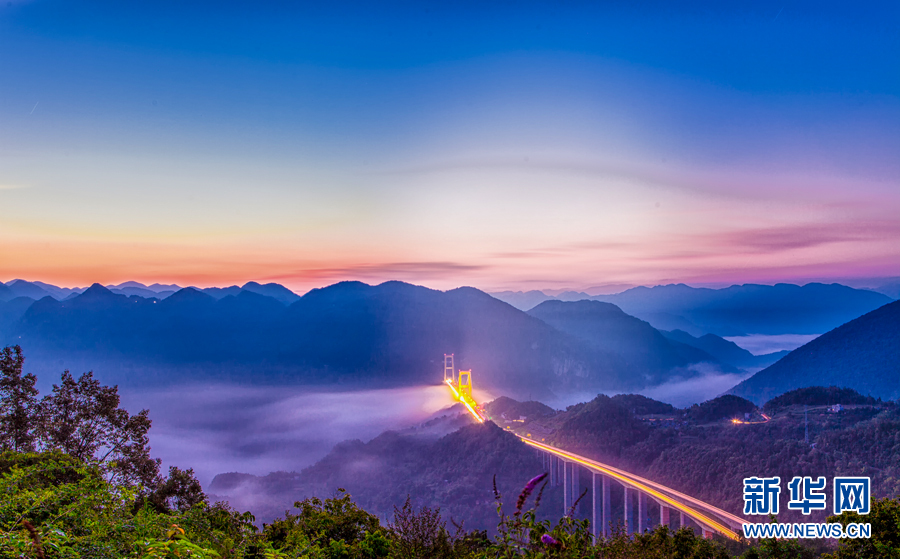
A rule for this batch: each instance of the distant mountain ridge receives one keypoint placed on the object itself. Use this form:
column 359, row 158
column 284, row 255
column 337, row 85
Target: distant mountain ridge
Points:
column 609, row 331
column 737, row 310
column 863, row 354
column 349, row 333
column 724, row 350
column 355, row 334
column 38, row 290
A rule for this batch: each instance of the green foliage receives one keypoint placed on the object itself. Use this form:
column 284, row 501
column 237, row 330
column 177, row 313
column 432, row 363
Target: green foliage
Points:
column 642, row 405
column 726, row 406
column 56, row 505
column 82, row 418
column 781, row 549
column 76, row 512
column 513, row 410
column 334, row 528
column 819, row 396
column 523, row 536
column 419, row 534
column 602, row 425
column 180, row 491
column 175, row 546
column 18, row 402
column 884, row 517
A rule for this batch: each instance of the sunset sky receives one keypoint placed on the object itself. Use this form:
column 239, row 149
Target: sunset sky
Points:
column 504, row 145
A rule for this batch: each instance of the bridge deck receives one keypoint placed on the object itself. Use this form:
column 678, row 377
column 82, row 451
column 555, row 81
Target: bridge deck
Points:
column 713, row 518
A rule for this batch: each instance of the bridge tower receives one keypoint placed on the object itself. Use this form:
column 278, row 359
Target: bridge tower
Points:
column 449, row 368
column 465, row 385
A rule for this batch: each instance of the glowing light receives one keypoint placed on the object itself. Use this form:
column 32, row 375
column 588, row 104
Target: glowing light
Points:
column 628, row 480
column 465, row 402
column 625, row 478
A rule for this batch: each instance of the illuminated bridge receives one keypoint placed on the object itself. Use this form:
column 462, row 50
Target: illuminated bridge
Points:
column 565, row 468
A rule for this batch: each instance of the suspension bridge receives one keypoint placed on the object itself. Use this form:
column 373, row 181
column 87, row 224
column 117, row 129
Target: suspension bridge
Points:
column 565, row 469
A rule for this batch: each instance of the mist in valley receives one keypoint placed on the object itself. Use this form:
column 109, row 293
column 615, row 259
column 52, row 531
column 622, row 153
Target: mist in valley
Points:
column 222, row 428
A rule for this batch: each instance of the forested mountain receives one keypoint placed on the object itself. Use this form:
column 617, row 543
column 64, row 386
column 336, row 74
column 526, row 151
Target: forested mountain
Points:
column 394, row 334
column 737, row 310
column 748, row 309
column 863, row 354
column 349, row 333
column 609, row 331
column 454, row 472
column 724, row 350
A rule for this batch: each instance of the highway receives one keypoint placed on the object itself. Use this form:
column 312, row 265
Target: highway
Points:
column 710, row 517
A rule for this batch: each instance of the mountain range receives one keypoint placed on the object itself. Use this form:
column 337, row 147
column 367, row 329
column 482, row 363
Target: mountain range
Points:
column 38, row 290
column 863, row 354
column 738, row 310
column 350, row 334
column 394, row 334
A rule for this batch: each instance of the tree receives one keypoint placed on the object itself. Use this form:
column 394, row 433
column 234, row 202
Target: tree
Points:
column 83, row 419
column 885, row 541
column 180, row 491
column 18, row 402
column 335, row 528
column 420, row 534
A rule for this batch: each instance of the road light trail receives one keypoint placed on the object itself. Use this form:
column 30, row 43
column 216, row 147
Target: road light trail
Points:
column 644, row 485
column 659, row 492
column 735, row 521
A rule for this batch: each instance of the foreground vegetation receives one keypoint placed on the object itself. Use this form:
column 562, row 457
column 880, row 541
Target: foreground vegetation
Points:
column 55, row 506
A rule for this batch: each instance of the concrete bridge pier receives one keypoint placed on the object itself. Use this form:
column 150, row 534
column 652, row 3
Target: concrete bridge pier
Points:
column 566, row 489
column 576, row 489
column 595, row 505
column 607, row 512
column 551, row 467
column 663, row 515
column 629, row 525
column 642, row 511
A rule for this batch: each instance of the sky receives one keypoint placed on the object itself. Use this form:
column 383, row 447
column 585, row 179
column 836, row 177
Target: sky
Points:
column 503, row 145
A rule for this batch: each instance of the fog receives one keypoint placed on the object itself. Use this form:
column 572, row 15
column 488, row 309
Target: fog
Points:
column 684, row 392
column 257, row 430
column 761, row 344
column 703, row 381
column 222, row 428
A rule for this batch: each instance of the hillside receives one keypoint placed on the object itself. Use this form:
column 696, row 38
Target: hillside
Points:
column 454, row 472
column 350, row 334
column 6, row 293
column 724, row 350
column 863, row 354
column 748, row 309
column 607, row 330
column 733, row 311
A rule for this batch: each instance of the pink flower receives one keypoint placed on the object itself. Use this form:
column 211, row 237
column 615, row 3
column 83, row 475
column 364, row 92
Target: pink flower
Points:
column 529, row 488
column 548, row 539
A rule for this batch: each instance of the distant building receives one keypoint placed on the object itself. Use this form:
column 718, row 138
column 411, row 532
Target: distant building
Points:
column 836, row 408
